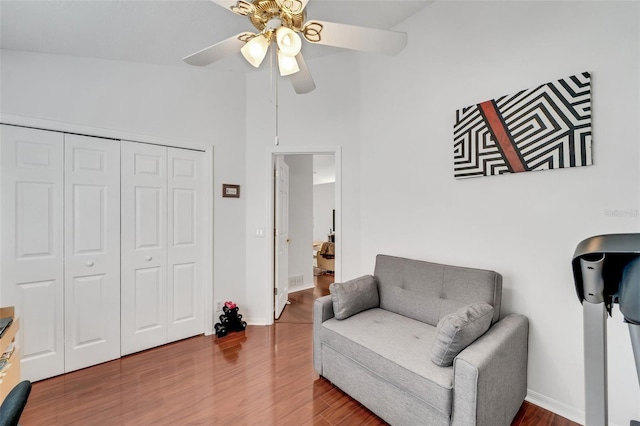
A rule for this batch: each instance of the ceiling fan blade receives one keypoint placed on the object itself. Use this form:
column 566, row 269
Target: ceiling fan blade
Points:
column 220, row 50
column 239, row 7
column 354, row 37
column 302, row 81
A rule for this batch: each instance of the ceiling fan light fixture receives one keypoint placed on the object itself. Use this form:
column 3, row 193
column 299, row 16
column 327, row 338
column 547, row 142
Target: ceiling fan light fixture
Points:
column 288, row 41
column 255, row 50
column 284, row 22
column 287, row 64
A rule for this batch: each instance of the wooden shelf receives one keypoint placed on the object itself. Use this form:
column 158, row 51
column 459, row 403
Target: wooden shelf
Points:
column 10, row 374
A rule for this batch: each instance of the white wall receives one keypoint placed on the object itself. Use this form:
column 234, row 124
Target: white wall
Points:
column 300, row 219
column 327, row 117
column 527, row 225
column 193, row 105
column 323, row 204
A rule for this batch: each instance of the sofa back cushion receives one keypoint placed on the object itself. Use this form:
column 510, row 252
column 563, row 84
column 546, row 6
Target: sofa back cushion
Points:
column 458, row 330
column 428, row 291
column 354, row 296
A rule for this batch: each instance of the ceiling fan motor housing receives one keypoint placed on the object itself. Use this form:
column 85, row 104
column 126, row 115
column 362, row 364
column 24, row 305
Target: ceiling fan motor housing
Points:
column 285, row 11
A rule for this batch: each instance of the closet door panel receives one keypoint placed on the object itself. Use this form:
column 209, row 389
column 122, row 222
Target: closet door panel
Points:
column 92, row 251
column 148, row 217
column 144, row 246
column 186, row 243
column 34, row 232
column 40, row 308
column 148, row 291
column 32, row 251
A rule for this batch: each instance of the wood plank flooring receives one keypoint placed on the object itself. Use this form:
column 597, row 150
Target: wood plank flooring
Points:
column 530, row 415
column 300, row 307
column 262, row 376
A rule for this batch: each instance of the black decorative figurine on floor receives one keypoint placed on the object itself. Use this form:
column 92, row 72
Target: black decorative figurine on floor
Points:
column 231, row 320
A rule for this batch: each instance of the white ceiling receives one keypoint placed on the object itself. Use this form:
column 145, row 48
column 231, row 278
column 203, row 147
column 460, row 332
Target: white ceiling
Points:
column 163, row 32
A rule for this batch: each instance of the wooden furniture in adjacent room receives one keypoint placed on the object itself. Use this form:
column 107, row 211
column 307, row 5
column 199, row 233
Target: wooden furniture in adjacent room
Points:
column 10, row 373
column 326, row 257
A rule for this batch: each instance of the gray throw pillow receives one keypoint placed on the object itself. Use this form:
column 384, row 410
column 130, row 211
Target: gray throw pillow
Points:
column 354, row 296
column 458, row 330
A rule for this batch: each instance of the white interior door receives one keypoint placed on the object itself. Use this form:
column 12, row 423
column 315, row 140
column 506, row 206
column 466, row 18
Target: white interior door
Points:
column 92, row 251
column 31, row 279
column 186, row 243
column 281, row 235
column 144, row 246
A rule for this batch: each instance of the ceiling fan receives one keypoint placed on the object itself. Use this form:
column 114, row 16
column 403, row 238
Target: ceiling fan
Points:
column 282, row 21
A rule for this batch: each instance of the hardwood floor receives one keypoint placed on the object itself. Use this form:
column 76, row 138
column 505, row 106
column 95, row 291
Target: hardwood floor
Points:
column 530, row 415
column 300, row 307
column 262, row 376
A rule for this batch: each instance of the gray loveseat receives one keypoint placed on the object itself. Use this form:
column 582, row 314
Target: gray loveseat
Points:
column 409, row 343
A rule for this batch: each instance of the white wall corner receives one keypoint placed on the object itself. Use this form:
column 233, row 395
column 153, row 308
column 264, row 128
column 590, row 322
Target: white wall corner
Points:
column 556, row 407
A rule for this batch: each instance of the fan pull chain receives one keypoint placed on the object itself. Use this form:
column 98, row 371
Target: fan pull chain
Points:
column 274, row 86
column 277, row 141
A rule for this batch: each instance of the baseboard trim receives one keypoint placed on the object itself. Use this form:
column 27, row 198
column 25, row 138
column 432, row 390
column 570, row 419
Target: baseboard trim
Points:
column 554, row 406
column 255, row 321
column 301, row 288
column 558, row 408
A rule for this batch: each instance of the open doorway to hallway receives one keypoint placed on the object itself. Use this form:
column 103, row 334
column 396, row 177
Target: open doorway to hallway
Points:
column 310, row 233
column 300, row 307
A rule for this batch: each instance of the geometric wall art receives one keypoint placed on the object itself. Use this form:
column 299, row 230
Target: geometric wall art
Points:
column 547, row 127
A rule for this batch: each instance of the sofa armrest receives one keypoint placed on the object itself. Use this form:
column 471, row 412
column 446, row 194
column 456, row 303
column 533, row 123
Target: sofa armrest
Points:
column 490, row 375
column 322, row 311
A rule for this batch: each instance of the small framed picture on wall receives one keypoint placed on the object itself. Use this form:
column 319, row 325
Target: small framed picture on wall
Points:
column 230, row 191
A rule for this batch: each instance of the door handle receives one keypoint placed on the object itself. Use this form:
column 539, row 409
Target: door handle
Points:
column 89, row 263
column 148, row 258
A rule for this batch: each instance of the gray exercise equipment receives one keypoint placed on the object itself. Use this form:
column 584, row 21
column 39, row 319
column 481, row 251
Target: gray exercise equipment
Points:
column 606, row 270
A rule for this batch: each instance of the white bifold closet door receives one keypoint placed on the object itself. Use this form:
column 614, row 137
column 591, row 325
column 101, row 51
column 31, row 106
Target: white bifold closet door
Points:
column 92, row 251
column 32, row 207
column 186, row 243
column 60, row 248
column 162, row 245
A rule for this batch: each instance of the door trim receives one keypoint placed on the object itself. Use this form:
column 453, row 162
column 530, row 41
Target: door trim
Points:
column 336, row 151
column 79, row 129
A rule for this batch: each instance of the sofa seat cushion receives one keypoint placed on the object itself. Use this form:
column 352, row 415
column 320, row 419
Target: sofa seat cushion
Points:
column 395, row 348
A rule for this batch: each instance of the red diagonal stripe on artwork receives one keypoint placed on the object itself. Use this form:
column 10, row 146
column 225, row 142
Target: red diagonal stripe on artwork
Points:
column 502, row 136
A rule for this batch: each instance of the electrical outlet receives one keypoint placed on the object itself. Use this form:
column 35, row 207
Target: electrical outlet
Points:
column 218, row 305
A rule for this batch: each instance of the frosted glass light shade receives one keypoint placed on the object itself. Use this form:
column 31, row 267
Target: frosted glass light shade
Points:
column 255, row 50
column 288, row 41
column 287, row 64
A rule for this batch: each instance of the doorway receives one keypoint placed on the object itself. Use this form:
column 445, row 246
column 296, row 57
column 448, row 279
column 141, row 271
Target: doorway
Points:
column 310, row 236
column 309, row 187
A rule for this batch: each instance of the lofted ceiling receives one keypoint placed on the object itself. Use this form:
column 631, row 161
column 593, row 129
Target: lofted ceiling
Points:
column 163, row 32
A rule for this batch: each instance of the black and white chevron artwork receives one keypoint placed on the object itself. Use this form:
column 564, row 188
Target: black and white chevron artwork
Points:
column 547, row 127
